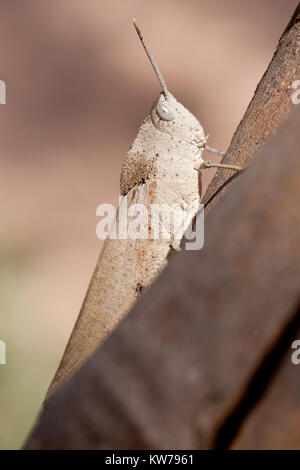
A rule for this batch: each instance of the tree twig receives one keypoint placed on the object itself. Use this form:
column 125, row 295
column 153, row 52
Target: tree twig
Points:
column 271, row 104
column 190, row 359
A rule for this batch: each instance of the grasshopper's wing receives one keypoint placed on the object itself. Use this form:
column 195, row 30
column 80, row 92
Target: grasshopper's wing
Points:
column 124, row 268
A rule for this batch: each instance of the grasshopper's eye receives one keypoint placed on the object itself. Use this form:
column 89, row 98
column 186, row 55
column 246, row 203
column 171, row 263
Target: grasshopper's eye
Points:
column 164, row 111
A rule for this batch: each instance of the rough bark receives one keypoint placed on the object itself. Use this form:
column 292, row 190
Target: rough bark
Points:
column 271, row 104
column 193, row 358
column 274, row 422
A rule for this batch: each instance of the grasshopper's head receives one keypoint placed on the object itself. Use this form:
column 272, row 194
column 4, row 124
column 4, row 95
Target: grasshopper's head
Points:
column 170, row 116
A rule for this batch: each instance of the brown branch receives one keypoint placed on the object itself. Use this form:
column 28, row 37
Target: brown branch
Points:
column 273, row 423
column 176, row 372
column 270, row 105
column 184, row 361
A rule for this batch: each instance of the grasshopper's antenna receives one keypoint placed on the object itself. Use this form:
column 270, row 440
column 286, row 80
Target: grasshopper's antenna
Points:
column 151, row 58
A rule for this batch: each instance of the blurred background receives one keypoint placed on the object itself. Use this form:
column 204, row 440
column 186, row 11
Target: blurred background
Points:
column 78, row 87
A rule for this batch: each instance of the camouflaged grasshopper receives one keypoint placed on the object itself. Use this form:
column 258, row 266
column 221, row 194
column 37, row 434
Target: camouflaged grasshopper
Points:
column 162, row 167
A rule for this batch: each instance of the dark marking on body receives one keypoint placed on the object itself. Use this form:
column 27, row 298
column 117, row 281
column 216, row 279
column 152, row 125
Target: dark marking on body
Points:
column 139, row 288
